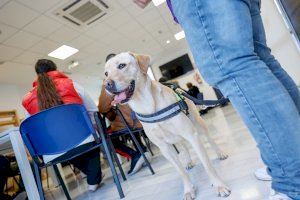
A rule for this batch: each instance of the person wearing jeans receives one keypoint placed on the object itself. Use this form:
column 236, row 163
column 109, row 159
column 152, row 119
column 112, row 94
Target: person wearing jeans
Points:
column 228, row 43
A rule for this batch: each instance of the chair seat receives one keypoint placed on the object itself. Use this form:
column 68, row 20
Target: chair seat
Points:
column 73, row 153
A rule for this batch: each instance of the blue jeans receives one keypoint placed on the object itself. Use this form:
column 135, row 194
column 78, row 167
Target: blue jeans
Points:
column 228, row 42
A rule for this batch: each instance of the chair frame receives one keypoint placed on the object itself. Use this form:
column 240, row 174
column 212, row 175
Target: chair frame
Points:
column 131, row 133
column 99, row 140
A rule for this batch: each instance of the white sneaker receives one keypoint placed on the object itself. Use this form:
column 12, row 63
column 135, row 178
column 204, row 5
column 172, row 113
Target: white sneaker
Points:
column 93, row 188
column 278, row 196
column 262, row 174
column 137, row 166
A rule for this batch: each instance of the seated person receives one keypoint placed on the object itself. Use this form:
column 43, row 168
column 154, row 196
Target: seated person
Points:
column 194, row 91
column 54, row 88
column 116, row 125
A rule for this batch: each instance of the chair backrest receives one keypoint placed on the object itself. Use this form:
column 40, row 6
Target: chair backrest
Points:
column 56, row 130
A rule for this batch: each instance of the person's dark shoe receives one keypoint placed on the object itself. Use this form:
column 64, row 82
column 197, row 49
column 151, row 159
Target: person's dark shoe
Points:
column 6, row 197
column 136, row 164
column 21, row 196
column 93, row 188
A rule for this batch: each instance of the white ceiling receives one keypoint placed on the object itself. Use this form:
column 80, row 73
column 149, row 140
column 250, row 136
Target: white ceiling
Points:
column 30, row 30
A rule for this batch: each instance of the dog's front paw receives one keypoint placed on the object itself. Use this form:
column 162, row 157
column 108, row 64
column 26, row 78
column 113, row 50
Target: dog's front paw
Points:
column 223, row 191
column 189, row 166
column 191, row 195
column 222, row 156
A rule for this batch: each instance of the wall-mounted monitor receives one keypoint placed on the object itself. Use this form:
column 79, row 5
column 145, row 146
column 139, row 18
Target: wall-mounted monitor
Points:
column 177, row 67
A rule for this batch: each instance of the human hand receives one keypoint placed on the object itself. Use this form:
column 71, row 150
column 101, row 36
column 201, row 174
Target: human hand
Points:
column 142, row 3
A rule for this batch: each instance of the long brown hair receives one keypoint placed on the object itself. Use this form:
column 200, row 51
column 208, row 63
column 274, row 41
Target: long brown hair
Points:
column 47, row 94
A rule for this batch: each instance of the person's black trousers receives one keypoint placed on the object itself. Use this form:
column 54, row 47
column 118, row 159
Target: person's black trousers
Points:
column 4, row 170
column 120, row 145
column 89, row 164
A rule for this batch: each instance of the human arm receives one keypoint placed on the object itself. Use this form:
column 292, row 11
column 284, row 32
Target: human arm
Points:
column 142, row 3
column 104, row 105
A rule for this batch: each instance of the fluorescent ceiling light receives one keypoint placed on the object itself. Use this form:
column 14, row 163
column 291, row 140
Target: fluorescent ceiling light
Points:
column 168, row 41
column 63, row 52
column 158, row 2
column 180, row 35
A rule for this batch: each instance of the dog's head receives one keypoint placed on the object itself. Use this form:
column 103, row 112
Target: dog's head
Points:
column 122, row 73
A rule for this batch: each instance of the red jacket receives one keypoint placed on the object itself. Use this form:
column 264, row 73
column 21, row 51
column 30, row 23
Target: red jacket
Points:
column 64, row 87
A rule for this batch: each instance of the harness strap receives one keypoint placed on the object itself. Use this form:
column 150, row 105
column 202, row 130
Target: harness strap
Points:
column 166, row 113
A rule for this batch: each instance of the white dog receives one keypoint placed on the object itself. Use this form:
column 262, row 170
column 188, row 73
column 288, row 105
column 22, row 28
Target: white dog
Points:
column 126, row 79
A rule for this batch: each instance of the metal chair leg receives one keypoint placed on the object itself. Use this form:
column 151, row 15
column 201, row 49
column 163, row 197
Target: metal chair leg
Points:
column 136, row 142
column 113, row 169
column 38, row 180
column 48, row 186
column 113, row 151
column 147, row 143
column 109, row 157
column 61, row 182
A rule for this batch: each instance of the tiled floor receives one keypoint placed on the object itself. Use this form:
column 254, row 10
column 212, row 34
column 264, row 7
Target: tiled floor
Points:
column 232, row 136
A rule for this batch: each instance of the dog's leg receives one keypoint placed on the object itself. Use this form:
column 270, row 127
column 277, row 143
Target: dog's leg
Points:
column 185, row 155
column 202, row 128
column 221, row 154
column 194, row 140
column 170, row 154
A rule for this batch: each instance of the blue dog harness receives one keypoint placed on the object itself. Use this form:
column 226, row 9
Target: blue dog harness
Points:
column 166, row 113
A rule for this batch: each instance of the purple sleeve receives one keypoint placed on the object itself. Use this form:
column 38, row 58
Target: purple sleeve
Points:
column 171, row 9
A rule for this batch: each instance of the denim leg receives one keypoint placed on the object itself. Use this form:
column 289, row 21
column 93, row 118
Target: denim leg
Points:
column 220, row 36
column 264, row 52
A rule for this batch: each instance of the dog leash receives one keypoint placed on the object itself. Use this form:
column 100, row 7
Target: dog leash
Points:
column 195, row 100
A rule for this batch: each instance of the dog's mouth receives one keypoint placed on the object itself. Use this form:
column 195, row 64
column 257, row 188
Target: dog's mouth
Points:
column 124, row 95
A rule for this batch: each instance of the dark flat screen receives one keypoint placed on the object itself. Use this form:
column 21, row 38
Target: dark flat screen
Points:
column 176, row 67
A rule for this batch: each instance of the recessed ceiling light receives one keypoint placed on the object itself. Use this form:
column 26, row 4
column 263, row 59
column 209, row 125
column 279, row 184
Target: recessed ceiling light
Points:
column 158, row 2
column 63, row 52
column 180, row 35
column 168, row 41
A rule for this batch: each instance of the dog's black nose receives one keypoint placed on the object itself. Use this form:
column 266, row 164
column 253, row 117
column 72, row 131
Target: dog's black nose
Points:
column 110, row 85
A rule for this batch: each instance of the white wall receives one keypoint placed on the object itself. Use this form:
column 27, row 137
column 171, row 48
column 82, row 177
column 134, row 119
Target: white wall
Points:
column 92, row 84
column 11, row 98
column 180, row 49
column 12, row 95
column 280, row 40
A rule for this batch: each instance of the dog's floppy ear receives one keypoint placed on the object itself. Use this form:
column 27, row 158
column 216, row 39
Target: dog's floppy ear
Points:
column 143, row 62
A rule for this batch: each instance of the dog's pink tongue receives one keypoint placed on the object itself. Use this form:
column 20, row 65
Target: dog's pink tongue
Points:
column 119, row 98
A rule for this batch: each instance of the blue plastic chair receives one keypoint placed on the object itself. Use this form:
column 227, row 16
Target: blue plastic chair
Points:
column 61, row 129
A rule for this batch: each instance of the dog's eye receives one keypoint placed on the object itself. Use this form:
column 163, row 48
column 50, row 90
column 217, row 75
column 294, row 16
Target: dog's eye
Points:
column 121, row 66
column 106, row 74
